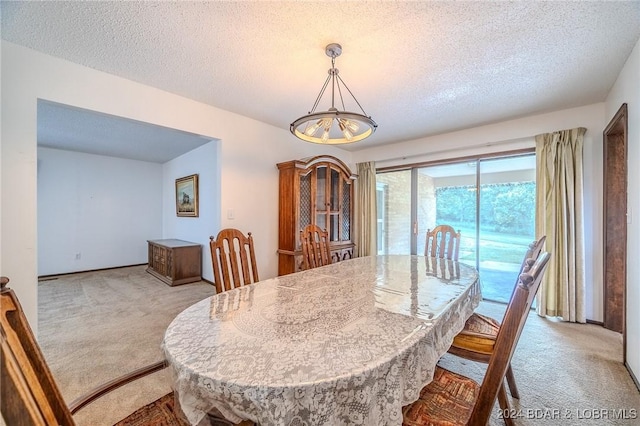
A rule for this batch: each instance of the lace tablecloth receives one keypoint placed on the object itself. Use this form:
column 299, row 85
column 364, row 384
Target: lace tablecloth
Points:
column 344, row 344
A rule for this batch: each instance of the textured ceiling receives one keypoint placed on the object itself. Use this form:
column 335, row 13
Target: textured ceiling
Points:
column 418, row 68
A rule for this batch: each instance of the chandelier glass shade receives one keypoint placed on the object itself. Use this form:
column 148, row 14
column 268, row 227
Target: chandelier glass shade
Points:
column 334, row 126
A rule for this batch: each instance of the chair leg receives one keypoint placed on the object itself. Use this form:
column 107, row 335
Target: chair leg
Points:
column 503, row 401
column 512, row 383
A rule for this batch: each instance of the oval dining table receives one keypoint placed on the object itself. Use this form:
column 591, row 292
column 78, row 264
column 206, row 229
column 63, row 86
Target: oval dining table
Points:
column 343, row 344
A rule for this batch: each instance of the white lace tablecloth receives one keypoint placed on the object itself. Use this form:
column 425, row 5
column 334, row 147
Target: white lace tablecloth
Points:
column 345, row 344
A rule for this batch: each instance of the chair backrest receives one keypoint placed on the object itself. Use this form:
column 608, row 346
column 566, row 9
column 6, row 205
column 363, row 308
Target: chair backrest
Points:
column 28, row 392
column 442, row 242
column 507, row 338
column 234, row 259
column 533, row 251
column 315, row 247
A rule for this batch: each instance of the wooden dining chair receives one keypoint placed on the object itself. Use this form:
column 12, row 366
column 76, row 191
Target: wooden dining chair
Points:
column 454, row 399
column 233, row 258
column 442, row 242
column 476, row 341
column 30, row 396
column 315, row 247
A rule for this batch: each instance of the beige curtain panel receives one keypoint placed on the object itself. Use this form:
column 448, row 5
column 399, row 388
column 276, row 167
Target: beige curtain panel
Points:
column 559, row 216
column 365, row 210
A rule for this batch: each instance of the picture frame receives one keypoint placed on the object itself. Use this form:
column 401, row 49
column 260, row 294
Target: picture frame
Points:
column 187, row 196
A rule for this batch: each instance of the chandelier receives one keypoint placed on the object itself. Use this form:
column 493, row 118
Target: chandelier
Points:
column 334, row 126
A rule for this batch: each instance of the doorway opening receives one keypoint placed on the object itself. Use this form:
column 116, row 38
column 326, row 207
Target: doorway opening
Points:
column 615, row 223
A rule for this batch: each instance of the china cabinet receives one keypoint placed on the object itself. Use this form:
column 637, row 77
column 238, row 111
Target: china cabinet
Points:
column 316, row 190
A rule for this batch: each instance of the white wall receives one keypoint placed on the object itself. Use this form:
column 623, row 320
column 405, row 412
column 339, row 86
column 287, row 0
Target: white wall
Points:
column 203, row 161
column 627, row 90
column 248, row 154
column 102, row 208
column 516, row 134
column 106, row 208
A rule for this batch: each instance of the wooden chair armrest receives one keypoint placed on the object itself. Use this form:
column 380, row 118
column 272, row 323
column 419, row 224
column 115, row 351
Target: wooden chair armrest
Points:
column 105, row 388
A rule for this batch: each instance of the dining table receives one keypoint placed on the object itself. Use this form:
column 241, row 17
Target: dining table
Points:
column 347, row 343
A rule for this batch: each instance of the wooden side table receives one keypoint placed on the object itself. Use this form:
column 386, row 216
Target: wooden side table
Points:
column 175, row 262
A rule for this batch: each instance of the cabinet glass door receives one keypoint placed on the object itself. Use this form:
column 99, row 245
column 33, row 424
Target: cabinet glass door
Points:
column 345, row 220
column 332, row 202
column 306, row 214
column 321, row 218
column 334, row 205
column 335, row 190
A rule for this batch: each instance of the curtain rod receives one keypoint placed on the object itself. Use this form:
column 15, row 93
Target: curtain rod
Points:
column 463, row 148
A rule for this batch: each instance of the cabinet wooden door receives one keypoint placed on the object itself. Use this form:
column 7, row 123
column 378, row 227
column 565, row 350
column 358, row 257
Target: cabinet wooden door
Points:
column 330, row 202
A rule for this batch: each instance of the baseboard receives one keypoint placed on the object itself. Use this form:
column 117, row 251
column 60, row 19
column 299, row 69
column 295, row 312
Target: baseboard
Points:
column 55, row 276
column 633, row 377
column 207, row 281
column 600, row 323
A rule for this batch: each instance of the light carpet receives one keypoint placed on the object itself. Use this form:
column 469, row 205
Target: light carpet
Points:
column 95, row 326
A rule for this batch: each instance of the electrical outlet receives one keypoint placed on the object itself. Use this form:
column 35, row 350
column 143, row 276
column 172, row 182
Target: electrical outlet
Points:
column 231, row 214
column 78, row 256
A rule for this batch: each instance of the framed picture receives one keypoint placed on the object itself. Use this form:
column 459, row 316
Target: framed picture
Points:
column 187, row 196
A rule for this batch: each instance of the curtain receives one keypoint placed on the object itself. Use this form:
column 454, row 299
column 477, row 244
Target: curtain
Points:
column 559, row 216
column 365, row 210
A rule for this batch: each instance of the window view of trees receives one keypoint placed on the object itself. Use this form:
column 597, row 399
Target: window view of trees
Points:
column 505, row 207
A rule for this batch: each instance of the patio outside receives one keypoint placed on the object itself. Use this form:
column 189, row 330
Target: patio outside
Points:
column 500, row 260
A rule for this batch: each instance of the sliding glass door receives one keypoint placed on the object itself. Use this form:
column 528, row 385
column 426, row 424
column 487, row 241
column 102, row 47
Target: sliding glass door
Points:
column 490, row 200
column 395, row 212
column 447, row 195
column 507, row 222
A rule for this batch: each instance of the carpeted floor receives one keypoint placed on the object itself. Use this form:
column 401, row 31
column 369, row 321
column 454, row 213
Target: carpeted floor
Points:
column 96, row 326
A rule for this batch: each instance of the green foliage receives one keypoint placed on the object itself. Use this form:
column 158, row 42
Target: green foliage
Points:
column 504, row 207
